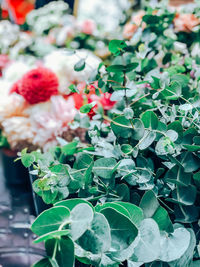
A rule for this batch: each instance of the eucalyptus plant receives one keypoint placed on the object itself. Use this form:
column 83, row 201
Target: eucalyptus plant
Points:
column 133, row 186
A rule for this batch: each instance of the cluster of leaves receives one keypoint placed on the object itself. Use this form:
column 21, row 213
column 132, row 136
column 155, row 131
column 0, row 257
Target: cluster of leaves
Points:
column 111, row 233
column 140, row 171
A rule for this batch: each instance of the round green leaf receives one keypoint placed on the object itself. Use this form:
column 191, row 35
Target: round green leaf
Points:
column 148, row 248
column 150, row 120
column 50, row 220
column 174, row 245
column 80, row 218
column 104, row 167
column 123, row 231
column 97, row 238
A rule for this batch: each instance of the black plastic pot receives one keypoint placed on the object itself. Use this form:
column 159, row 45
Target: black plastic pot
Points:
column 16, row 175
column 39, row 205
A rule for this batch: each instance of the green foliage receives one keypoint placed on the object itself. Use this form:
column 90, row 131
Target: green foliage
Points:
column 112, row 232
column 131, row 195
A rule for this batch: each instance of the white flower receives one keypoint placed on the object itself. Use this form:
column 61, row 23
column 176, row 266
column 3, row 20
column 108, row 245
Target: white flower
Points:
column 62, row 63
column 18, row 129
column 15, row 71
column 195, row 50
column 180, row 47
column 10, row 106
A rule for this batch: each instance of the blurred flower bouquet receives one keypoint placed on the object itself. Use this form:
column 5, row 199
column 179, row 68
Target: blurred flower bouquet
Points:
column 37, row 103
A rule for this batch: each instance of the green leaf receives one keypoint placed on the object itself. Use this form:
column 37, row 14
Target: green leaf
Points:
column 104, row 167
column 27, row 160
column 196, row 178
column 131, row 66
column 97, row 238
column 80, row 218
column 71, row 203
column 190, row 162
column 152, row 209
column 80, row 65
column 187, row 257
column 135, row 213
column 192, row 148
column 116, row 68
column 128, row 113
column 126, row 149
column 138, row 129
column 50, row 220
column 173, row 92
column 148, row 138
column 174, row 245
column 64, row 252
column 122, row 127
column 149, row 119
column 73, row 88
column 117, row 46
column 181, row 78
column 87, row 107
column 70, row 148
column 148, row 248
column 51, row 235
column 112, row 205
column 123, row 231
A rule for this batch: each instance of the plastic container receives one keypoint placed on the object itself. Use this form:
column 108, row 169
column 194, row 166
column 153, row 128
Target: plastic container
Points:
column 16, row 175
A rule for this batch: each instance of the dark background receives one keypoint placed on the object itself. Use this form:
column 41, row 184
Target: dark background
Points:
column 41, row 3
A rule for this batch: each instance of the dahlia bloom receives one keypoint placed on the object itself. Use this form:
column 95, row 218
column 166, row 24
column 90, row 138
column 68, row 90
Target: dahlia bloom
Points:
column 38, row 85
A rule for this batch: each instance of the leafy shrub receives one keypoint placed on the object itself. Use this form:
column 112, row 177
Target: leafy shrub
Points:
column 139, row 169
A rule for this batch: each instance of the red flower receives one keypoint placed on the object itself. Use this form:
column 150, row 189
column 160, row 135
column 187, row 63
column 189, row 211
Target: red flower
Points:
column 106, row 102
column 38, row 85
column 78, row 100
column 19, row 9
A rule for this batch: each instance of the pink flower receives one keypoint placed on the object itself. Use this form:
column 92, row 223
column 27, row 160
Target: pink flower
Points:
column 132, row 26
column 88, row 26
column 185, row 22
column 4, row 60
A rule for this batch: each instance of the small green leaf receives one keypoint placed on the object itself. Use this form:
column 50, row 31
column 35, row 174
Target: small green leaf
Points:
column 73, row 88
column 27, row 160
column 117, row 46
column 80, row 65
column 150, row 119
column 126, row 149
column 87, row 107
column 70, row 148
